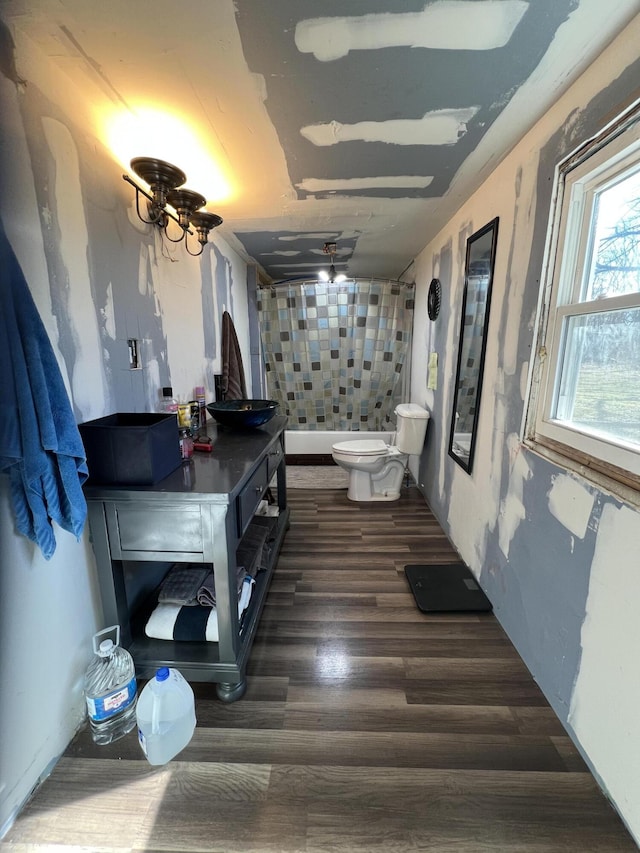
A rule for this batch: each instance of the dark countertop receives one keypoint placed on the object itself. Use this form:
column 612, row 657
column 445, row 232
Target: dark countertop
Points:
column 216, row 476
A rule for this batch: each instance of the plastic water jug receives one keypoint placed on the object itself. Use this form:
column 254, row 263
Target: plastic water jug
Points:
column 166, row 716
column 110, row 689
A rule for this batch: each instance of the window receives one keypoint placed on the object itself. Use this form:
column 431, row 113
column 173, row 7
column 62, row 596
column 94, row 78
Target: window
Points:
column 586, row 391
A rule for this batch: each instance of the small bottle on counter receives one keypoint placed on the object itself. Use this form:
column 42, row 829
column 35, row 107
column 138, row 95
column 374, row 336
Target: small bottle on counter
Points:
column 195, row 417
column 186, row 444
column 200, row 397
column 184, row 415
column 168, row 405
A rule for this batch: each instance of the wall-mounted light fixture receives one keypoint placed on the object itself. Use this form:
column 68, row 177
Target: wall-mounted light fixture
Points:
column 166, row 184
column 330, row 276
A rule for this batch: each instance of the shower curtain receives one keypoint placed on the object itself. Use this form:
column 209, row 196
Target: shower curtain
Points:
column 334, row 353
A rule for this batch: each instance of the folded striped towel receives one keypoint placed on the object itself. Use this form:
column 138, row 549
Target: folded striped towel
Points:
column 176, row 622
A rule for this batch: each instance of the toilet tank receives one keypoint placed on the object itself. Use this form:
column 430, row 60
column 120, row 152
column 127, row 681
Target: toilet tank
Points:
column 411, row 427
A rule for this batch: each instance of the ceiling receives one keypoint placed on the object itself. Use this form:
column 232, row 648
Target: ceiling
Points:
column 365, row 124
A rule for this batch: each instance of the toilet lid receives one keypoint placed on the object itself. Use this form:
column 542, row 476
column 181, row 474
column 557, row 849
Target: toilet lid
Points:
column 368, row 447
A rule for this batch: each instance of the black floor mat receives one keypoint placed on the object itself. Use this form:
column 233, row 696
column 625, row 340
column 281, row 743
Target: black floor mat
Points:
column 450, row 587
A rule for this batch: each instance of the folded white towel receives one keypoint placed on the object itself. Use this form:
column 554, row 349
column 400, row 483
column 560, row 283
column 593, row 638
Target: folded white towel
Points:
column 179, row 622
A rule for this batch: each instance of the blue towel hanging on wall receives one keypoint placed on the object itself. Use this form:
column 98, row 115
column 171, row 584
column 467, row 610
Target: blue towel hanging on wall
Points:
column 40, row 445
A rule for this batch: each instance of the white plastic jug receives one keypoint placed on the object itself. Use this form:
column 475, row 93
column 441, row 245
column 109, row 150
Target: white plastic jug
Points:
column 166, row 716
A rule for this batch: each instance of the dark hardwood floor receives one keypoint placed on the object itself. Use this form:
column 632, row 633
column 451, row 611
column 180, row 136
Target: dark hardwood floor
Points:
column 367, row 725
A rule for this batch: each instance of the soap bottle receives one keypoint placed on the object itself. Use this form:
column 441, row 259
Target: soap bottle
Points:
column 186, row 443
column 168, row 405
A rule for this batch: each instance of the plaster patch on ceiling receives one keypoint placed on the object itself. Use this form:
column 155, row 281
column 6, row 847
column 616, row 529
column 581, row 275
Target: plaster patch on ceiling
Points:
column 318, row 185
column 298, row 254
column 319, row 235
column 300, row 266
column 439, row 127
column 94, row 69
column 446, row 25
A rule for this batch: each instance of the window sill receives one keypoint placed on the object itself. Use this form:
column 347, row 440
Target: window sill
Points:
column 615, row 481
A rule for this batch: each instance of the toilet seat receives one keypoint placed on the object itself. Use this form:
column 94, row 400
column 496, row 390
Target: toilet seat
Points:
column 366, row 447
column 377, row 469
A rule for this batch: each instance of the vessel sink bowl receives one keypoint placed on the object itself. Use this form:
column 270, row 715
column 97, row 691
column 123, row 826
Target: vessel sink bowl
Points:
column 243, row 414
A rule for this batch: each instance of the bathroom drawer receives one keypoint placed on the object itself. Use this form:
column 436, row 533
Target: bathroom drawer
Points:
column 251, row 494
column 274, row 458
column 155, row 529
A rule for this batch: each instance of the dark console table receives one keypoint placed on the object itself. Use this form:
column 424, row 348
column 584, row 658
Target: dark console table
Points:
column 198, row 514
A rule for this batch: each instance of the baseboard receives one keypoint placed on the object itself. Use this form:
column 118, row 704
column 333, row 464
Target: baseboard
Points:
column 309, row 459
column 6, row 826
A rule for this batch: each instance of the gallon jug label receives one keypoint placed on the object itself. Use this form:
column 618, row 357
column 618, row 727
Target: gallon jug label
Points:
column 142, row 741
column 103, row 707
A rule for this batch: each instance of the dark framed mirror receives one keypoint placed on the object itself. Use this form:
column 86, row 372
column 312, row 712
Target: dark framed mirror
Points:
column 478, row 279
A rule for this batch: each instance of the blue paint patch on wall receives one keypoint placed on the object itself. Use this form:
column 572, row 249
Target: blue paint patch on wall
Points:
column 539, row 593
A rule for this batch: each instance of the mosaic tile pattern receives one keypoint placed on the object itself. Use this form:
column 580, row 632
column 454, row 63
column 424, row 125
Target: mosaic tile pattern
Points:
column 334, row 353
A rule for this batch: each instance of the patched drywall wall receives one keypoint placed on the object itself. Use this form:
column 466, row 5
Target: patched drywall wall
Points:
column 547, row 545
column 98, row 277
column 609, row 663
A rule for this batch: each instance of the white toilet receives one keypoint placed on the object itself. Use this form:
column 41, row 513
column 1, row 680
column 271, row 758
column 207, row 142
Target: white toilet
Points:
column 375, row 468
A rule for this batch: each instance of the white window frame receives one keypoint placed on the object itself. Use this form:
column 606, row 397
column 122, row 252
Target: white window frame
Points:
column 600, row 161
